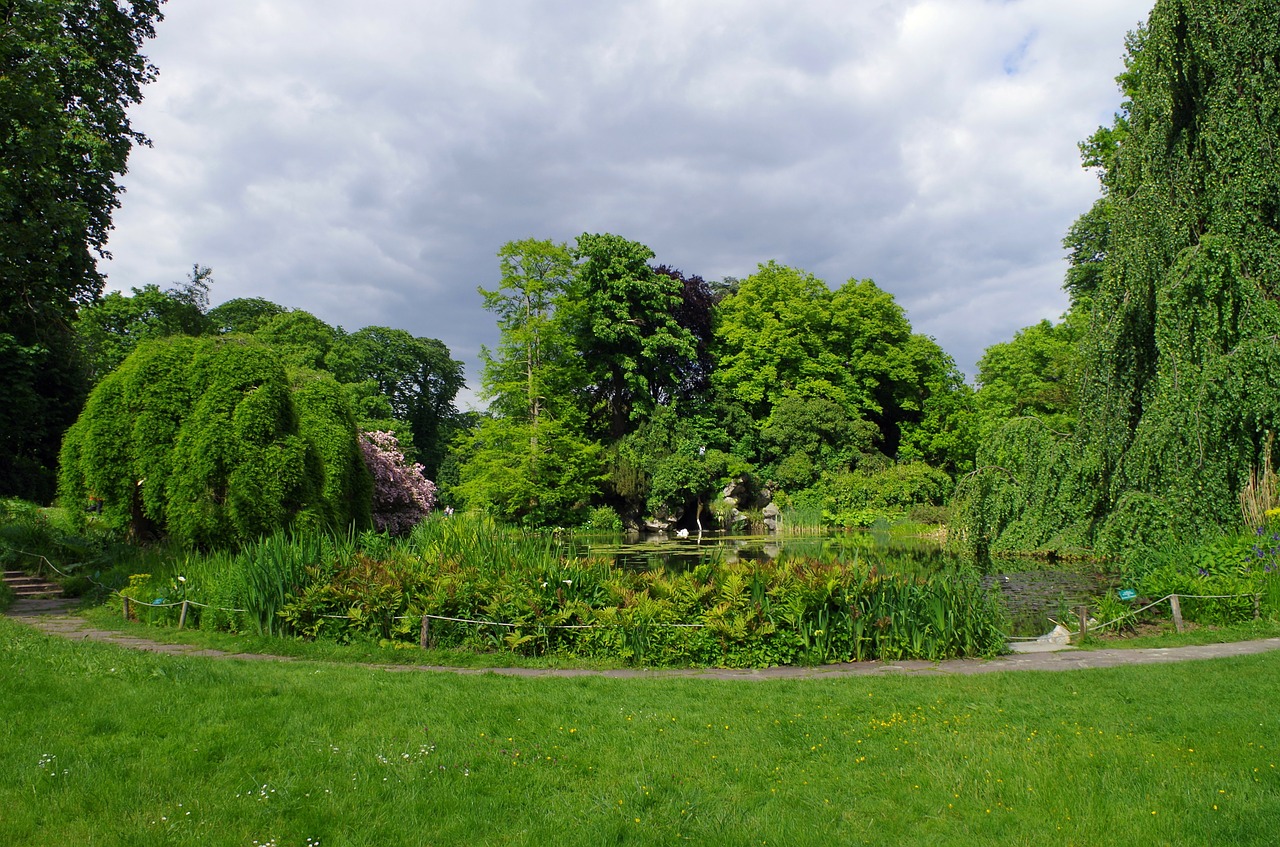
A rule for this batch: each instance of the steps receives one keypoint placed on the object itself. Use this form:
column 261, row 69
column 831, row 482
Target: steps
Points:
column 27, row 587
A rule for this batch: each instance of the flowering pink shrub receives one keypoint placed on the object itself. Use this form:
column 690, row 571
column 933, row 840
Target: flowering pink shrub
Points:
column 402, row 496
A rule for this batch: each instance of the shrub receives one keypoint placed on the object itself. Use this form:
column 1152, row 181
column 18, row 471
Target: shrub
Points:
column 402, row 496
column 604, row 519
column 209, row 441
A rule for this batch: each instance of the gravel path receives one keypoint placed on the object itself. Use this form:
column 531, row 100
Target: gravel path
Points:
column 57, row 618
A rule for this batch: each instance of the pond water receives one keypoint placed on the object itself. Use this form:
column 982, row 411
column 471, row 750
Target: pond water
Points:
column 1035, row 592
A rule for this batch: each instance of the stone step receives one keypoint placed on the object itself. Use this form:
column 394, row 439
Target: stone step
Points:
column 27, row 586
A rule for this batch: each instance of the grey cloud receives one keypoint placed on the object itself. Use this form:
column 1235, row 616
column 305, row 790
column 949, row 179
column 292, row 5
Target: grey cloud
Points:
column 367, row 163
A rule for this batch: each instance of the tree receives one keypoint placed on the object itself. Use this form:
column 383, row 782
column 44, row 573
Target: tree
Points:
column 695, row 313
column 69, row 70
column 810, row 435
column 619, row 317
column 784, row 336
column 772, row 340
column 530, row 358
column 1034, row 375
column 301, row 338
column 1180, row 373
column 528, row 460
column 210, row 442
column 113, row 327
column 243, row 315
column 551, row 485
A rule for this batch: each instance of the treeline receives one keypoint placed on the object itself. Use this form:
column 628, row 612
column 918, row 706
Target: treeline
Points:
column 624, row 390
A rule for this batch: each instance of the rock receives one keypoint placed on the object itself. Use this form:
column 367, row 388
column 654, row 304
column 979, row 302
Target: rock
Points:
column 1059, row 635
column 770, row 514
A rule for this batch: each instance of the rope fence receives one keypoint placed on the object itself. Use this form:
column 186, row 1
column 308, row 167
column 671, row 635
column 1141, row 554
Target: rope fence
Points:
column 1174, row 601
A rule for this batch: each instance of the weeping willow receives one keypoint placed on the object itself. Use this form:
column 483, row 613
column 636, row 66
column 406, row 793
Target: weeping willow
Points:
column 1180, row 389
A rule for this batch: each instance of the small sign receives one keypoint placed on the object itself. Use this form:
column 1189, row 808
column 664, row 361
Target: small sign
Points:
column 1127, row 594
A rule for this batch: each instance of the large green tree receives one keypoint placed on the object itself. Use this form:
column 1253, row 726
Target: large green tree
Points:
column 785, row 337
column 210, row 441
column 528, row 459
column 1180, row 268
column 620, row 315
column 69, row 70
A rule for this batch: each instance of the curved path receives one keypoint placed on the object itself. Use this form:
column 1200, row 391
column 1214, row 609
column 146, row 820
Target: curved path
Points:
column 57, row 618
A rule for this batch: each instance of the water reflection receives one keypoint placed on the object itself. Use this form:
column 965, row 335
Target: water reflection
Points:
column 1034, row 595
column 888, row 552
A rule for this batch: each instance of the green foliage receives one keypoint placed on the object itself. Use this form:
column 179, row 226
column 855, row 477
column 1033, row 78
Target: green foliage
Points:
column 113, row 327
column 834, row 368
column 1180, row 376
column 528, row 371
column 860, row 497
column 301, row 339
column 69, row 70
column 1034, row 375
column 417, row 378
column 543, row 477
column 325, row 422
column 243, row 315
column 201, row 439
column 619, row 314
column 751, row 614
column 43, row 386
column 603, row 519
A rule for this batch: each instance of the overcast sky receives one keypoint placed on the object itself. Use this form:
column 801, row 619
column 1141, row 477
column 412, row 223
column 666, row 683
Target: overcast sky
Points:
column 365, row 162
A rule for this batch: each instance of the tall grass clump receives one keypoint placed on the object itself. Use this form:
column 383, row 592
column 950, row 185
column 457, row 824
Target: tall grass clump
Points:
column 485, row 587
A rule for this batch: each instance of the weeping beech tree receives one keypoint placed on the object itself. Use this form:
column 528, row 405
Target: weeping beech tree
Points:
column 211, row 441
column 1178, row 265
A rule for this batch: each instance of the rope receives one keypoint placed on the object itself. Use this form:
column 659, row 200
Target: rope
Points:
column 1135, row 612
column 1125, row 616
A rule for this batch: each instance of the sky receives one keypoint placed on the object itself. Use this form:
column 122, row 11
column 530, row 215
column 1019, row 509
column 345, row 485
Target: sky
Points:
column 365, row 162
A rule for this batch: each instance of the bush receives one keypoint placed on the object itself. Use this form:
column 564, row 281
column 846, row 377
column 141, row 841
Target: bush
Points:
column 604, row 519
column 209, row 441
column 402, row 496
column 785, row 611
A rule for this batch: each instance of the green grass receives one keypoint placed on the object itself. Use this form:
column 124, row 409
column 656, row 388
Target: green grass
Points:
column 1163, row 634
column 105, row 746
column 325, row 650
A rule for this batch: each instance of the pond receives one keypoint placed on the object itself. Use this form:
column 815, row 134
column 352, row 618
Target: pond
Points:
column 1035, row 592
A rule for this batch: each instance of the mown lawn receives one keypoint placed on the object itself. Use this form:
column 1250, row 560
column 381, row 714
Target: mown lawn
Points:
column 104, row 746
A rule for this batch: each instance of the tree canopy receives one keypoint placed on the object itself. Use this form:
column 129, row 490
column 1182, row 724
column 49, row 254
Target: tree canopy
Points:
column 638, row 387
column 1179, row 269
column 69, row 70
column 209, row 441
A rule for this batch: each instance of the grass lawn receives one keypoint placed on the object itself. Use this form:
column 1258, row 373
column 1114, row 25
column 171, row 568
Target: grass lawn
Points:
column 105, row 746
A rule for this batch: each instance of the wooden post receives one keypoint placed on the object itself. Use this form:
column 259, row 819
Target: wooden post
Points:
column 1177, row 611
column 182, row 616
column 422, row 639
column 126, row 607
column 1084, row 622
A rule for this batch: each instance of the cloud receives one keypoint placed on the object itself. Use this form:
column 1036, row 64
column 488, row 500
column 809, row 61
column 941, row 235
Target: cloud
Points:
column 365, row 162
